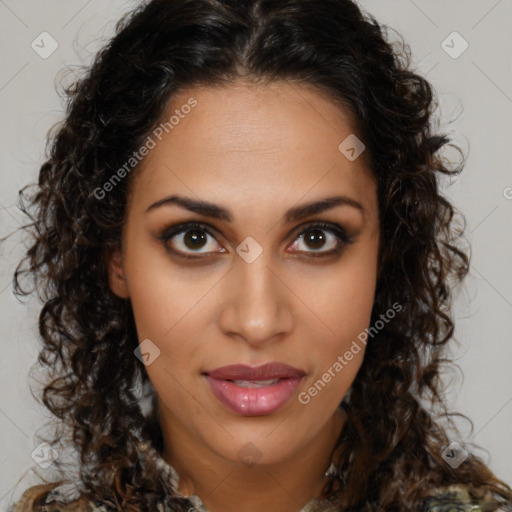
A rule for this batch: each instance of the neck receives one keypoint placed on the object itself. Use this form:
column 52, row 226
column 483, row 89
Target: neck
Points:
column 282, row 486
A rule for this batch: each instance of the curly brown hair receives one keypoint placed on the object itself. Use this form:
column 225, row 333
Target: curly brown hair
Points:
column 391, row 444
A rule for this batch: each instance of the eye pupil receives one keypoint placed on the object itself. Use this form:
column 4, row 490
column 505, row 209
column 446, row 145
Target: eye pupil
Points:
column 196, row 239
column 315, row 238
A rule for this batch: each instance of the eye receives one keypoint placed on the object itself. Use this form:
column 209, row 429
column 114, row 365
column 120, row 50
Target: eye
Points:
column 313, row 236
column 193, row 238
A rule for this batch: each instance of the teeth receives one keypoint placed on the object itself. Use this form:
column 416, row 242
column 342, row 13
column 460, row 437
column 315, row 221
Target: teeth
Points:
column 255, row 383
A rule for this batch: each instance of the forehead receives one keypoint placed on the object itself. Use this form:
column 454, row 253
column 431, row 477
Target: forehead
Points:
column 273, row 118
column 253, row 141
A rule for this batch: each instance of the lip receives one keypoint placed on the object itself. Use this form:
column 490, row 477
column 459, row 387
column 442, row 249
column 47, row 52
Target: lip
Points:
column 266, row 371
column 254, row 401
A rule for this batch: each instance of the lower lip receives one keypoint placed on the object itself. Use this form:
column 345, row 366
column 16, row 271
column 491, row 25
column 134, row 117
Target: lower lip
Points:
column 253, row 401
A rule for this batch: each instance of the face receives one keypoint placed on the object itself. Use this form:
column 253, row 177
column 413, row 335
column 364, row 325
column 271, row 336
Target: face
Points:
column 241, row 272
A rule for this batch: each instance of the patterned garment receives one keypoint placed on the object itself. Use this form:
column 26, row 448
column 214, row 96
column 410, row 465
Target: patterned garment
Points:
column 454, row 498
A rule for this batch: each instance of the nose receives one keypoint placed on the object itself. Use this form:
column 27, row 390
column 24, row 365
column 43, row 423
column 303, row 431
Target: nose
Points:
column 259, row 305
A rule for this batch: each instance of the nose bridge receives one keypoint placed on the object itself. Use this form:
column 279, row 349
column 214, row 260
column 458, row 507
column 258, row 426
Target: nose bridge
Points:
column 257, row 302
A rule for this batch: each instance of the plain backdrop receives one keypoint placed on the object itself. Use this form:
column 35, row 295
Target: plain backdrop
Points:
column 474, row 90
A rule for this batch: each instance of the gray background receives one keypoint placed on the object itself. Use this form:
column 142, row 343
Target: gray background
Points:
column 475, row 97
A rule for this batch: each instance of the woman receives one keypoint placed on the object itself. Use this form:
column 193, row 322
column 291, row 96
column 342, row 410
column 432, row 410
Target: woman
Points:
column 245, row 258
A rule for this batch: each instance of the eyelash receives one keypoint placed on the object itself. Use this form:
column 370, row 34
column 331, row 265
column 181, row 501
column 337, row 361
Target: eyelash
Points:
column 343, row 238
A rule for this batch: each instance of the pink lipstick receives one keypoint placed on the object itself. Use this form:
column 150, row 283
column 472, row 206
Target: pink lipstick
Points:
column 254, row 391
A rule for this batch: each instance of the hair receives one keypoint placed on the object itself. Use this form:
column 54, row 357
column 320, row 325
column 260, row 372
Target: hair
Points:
column 390, row 444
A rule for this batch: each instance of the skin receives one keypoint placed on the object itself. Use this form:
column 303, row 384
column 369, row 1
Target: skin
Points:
column 257, row 151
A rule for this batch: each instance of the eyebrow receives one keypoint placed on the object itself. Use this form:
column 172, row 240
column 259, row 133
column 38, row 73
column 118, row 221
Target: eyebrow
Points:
column 294, row 214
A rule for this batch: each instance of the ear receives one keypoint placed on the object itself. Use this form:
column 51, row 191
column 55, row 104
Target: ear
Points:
column 116, row 277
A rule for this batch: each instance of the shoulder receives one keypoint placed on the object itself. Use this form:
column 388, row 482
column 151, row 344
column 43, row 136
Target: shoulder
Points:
column 459, row 497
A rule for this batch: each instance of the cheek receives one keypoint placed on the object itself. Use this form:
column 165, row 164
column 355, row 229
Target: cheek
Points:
column 339, row 353
column 163, row 294
column 344, row 301
column 161, row 306
column 326, row 389
column 344, row 304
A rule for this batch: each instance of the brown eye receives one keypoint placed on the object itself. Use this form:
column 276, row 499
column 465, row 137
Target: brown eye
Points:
column 194, row 239
column 314, row 238
column 317, row 236
column 189, row 239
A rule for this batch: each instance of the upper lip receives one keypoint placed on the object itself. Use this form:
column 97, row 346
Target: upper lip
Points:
column 266, row 371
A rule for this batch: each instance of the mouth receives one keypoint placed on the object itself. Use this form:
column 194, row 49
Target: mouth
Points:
column 254, row 391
